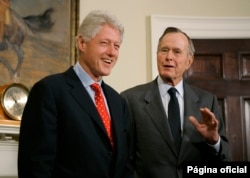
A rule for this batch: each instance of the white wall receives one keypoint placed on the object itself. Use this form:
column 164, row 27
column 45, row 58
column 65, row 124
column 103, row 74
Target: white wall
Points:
column 134, row 64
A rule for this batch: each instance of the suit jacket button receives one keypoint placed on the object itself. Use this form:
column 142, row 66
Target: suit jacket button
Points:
column 223, row 157
column 110, row 153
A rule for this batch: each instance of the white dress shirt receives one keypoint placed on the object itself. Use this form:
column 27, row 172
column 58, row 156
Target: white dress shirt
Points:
column 163, row 89
column 87, row 81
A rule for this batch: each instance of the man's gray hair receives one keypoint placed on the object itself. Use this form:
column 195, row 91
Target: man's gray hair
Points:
column 93, row 22
column 191, row 48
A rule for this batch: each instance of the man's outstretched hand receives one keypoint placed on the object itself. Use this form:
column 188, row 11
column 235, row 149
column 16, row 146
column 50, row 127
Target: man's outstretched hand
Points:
column 208, row 128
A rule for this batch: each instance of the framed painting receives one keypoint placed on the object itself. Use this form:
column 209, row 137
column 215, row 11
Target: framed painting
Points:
column 37, row 38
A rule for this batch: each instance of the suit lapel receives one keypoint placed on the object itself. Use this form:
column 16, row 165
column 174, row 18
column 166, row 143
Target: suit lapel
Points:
column 115, row 113
column 191, row 108
column 158, row 116
column 82, row 97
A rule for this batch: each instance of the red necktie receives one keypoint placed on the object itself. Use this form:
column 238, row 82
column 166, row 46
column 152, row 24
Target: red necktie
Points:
column 100, row 105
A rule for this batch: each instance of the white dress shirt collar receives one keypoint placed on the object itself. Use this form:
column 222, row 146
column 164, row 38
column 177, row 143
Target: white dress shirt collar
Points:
column 163, row 87
column 83, row 75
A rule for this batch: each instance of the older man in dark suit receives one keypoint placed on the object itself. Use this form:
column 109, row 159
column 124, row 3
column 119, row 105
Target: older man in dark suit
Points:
column 173, row 121
column 63, row 134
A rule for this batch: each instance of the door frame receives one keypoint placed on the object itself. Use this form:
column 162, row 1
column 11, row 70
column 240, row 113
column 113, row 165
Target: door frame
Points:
column 198, row 28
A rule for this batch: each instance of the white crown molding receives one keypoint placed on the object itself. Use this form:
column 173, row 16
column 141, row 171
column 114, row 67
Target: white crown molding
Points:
column 198, row 28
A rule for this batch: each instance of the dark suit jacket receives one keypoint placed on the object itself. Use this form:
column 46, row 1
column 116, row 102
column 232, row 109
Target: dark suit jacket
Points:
column 61, row 133
column 156, row 155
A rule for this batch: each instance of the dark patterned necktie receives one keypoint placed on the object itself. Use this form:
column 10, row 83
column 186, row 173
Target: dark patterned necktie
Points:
column 174, row 117
column 103, row 112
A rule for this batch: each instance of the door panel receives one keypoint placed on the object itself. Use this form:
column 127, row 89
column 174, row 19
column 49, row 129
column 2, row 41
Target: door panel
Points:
column 223, row 68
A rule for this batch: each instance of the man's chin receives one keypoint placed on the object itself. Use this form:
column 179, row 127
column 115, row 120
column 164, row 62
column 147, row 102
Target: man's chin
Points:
column 106, row 73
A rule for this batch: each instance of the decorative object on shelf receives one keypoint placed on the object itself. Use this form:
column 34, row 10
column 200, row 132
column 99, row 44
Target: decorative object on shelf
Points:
column 13, row 100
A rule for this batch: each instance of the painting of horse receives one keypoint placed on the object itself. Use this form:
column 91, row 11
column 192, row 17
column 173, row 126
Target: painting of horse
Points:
column 36, row 39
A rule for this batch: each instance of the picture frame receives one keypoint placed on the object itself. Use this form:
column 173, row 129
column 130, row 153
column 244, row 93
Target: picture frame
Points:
column 38, row 39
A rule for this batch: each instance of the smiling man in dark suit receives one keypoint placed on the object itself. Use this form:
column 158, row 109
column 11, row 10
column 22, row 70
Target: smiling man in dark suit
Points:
column 62, row 134
column 166, row 135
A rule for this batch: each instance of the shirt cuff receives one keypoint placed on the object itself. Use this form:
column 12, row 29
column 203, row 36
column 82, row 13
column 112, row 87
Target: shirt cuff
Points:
column 216, row 146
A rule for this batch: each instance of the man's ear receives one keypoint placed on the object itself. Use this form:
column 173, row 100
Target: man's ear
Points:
column 190, row 61
column 81, row 43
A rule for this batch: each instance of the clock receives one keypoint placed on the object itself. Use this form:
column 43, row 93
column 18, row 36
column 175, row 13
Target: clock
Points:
column 13, row 100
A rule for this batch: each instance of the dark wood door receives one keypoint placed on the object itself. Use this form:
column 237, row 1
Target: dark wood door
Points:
column 223, row 68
